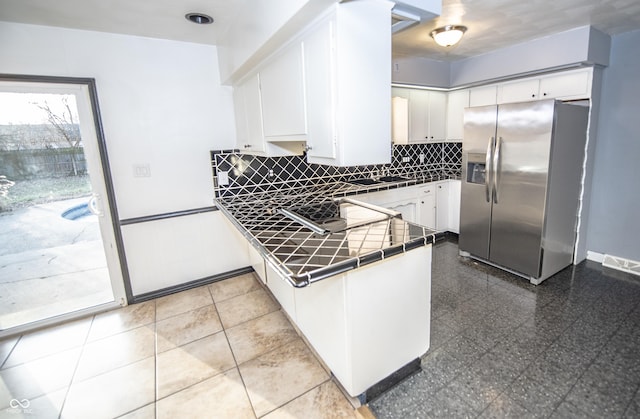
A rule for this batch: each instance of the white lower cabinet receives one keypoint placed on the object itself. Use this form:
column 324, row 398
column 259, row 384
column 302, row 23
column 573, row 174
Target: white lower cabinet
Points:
column 408, row 209
column 442, row 210
column 454, row 206
column 448, row 205
column 282, row 290
column 257, row 263
column 357, row 321
column 417, row 204
column 427, row 203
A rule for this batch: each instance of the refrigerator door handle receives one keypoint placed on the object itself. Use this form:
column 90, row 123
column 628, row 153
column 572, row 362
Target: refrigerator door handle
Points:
column 487, row 168
column 496, row 169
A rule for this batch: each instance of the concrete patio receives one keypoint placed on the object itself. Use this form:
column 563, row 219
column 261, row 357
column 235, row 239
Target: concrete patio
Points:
column 49, row 265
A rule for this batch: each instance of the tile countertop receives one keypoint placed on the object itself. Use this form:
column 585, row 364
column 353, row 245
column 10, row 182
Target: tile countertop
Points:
column 303, row 256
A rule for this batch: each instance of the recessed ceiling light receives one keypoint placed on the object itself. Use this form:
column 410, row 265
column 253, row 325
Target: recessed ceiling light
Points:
column 199, row 18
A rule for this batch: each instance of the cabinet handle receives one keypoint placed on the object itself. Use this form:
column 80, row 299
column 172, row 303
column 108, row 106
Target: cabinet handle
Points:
column 247, row 146
column 544, row 94
column 422, row 202
column 533, row 95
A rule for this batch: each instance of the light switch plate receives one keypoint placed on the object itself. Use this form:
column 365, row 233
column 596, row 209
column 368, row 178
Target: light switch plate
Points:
column 142, row 170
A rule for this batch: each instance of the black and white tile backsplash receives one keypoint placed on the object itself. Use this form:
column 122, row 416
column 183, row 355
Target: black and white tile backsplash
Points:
column 249, row 174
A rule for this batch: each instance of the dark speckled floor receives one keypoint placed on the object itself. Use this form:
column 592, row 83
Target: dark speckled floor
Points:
column 502, row 348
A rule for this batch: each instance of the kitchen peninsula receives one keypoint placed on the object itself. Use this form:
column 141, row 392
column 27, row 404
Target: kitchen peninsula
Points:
column 353, row 277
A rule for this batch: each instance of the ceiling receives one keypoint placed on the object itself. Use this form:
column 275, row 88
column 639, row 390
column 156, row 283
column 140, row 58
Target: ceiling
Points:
column 492, row 24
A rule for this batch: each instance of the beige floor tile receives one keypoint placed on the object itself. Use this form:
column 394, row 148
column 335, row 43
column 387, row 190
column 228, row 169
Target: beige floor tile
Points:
column 6, row 346
column 259, row 336
column 184, row 328
column 146, row 412
column 116, row 351
column 49, row 341
column 280, row 376
column 182, row 302
column 122, row 319
column 112, row 394
column 47, row 406
column 35, row 378
column 192, row 363
column 323, row 402
column 245, row 307
column 222, row 396
column 232, row 287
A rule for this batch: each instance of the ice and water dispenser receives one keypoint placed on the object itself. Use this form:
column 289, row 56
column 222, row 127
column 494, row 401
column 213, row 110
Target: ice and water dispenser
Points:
column 476, row 168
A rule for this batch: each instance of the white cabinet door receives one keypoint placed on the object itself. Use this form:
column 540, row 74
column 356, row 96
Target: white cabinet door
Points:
column 282, row 290
column 239, row 107
column 456, row 102
column 427, row 116
column 400, row 92
column 246, row 98
column 427, row 201
column 399, row 120
column 318, row 50
column 359, row 114
column 400, row 100
column 257, row 263
column 437, row 116
column 442, row 206
column 520, row 91
column 454, row 206
column 573, row 85
column 481, row 96
column 418, row 116
column 283, row 97
column 407, row 208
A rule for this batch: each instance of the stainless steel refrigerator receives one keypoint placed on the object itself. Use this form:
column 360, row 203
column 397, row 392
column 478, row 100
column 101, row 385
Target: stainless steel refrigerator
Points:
column 521, row 184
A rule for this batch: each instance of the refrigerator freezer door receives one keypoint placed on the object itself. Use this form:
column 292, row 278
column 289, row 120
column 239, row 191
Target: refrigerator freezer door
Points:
column 476, row 192
column 521, row 164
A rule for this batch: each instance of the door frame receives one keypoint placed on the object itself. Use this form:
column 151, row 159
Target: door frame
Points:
column 91, row 90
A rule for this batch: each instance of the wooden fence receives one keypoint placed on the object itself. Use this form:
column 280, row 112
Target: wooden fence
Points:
column 27, row 164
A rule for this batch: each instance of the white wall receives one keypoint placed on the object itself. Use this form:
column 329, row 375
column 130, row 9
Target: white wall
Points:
column 161, row 104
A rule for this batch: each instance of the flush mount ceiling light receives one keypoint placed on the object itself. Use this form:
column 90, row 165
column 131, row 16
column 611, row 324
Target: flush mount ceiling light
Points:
column 449, row 35
column 199, row 18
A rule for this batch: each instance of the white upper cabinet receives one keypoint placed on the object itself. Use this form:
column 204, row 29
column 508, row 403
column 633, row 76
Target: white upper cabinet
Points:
column 567, row 85
column 421, row 113
column 246, row 100
column 348, row 109
column 318, row 56
column 437, row 116
column 282, row 93
column 399, row 120
column 249, row 128
column 319, row 89
column 456, row 102
column 418, row 116
column 482, row 96
column 519, row 91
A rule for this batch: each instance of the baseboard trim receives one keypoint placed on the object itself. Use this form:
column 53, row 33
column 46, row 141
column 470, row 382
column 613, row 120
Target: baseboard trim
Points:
column 189, row 285
column 595, row 256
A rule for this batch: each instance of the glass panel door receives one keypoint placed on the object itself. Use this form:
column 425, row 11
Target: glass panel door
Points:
column 57, row 246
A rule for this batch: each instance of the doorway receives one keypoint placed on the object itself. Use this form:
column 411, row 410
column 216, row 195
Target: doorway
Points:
column 59, row 255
